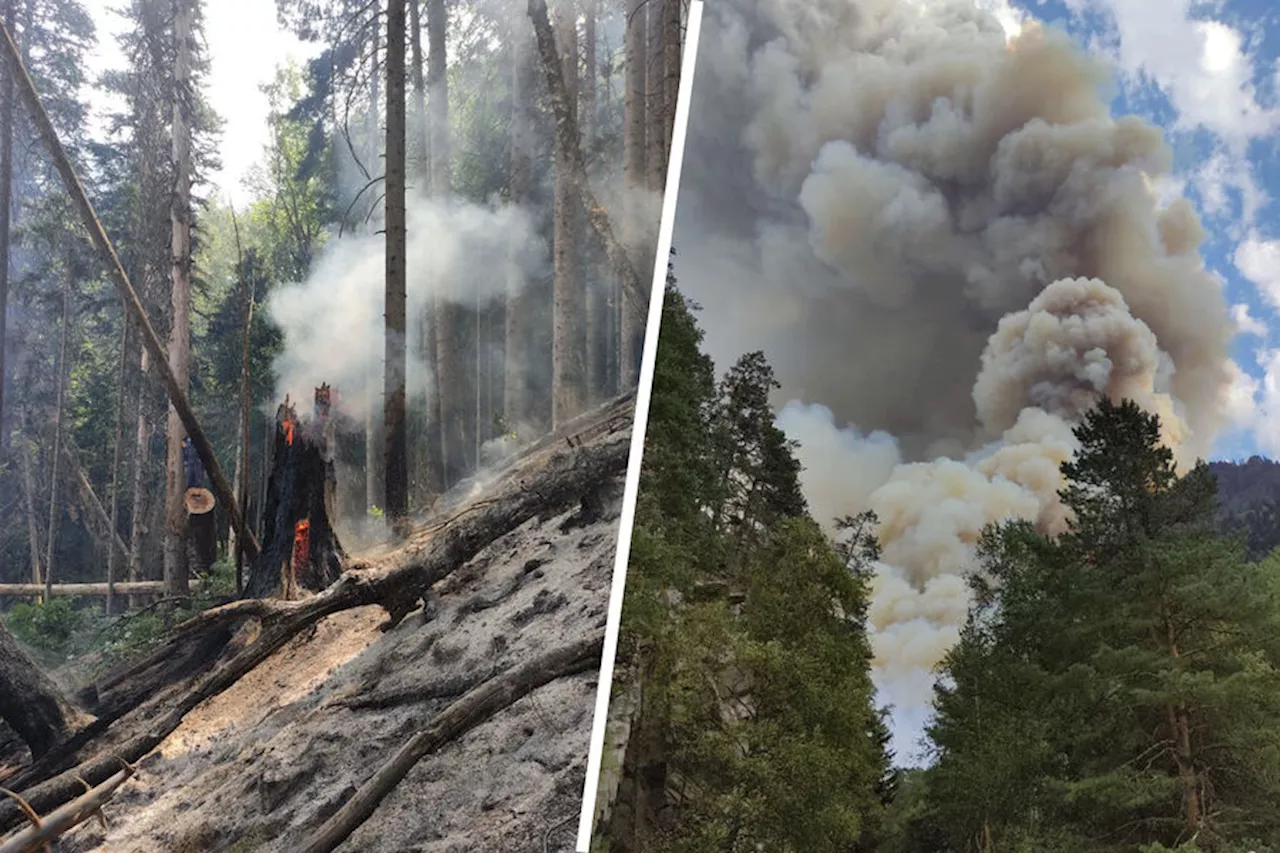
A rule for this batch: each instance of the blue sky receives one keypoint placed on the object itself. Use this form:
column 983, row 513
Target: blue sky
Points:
column 1208, row 73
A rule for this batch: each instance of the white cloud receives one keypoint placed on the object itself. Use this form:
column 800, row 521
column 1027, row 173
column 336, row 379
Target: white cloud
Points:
column 1246, row 323
column 1202, row 65
column 1206, row 70
column 1258, row 260
column 1266, row 413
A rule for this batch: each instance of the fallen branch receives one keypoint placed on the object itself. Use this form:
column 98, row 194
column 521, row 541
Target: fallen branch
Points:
column 24, row 590
column 396, row 582
column 74, row 813
column 159, row 357
column 463, row 715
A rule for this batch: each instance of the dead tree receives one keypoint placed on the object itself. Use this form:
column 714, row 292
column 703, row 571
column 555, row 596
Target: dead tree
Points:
column 300, row 549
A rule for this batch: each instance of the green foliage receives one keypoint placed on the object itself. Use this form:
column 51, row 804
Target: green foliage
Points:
column 1116, row 689
column 50, row 629
column 747, row 624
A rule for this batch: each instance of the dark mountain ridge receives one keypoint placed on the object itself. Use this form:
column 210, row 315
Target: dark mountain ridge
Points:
column 1249, row 502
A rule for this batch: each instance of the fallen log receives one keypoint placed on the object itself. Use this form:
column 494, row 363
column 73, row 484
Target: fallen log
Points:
column 466, row 713
column 26, row 590
column 542, row 484
column 74, row 813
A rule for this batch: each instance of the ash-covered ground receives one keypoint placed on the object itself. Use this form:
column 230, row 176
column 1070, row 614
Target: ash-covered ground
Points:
column 259, row 766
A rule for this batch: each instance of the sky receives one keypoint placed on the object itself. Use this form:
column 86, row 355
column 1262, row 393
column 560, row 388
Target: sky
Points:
column 245, row 45
column 1208, row 73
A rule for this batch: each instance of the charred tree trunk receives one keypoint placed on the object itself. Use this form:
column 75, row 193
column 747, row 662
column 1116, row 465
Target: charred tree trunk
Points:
column 31, row 703
column 394, row 376
column 300, row 549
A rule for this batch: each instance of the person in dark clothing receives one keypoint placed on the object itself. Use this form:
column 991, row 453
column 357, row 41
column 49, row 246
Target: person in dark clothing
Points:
column 194, row 471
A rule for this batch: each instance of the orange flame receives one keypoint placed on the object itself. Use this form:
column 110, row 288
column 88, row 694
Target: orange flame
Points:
column 301, row 543
column 288, row 431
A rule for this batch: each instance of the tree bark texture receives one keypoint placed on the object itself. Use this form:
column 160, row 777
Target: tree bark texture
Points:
column 397, row 476
column 175, row 538
column 569, row 343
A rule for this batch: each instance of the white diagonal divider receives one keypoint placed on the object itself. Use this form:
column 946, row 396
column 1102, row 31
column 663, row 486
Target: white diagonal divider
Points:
column 658, row 289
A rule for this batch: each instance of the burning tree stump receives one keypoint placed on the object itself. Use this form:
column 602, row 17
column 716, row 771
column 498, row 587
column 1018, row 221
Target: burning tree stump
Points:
column 300, row 549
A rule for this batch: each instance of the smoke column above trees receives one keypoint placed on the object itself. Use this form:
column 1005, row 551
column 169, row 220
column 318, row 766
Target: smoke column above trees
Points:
column 927, row 218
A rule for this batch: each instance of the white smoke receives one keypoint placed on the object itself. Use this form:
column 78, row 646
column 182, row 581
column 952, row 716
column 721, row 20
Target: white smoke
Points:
column 926, row 217
column 333, row 323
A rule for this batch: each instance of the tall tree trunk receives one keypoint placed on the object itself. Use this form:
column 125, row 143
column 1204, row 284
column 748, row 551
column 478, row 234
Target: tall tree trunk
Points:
column 374, row 441
column 394, row 383
column 672, row 38
column 141, row 464
column 630, row 321
column 568, row 348
column 518, row 331
column 122, row 391
column 29, row 498
column 595, row 298
column 655, row 103
column 6, row 200
column 55, row 504
column 243, row 459
column 430, row 470
column 421, row 144
column 588, row 117
column 175, row 539
column 31, row 703
column 448, row 316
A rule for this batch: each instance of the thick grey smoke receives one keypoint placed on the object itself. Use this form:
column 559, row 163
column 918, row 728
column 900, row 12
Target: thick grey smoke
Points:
column 333, row 322
column 926, row 216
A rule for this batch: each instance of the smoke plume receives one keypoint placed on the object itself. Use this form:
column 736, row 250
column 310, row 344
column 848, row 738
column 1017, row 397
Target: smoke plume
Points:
column 333, row 323
column 926, row 216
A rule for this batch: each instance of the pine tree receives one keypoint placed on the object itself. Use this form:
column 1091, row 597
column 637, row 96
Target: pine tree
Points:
column 1117, row 687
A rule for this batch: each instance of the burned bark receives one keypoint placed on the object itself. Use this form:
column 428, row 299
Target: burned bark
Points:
column 300, row 549
column 31, row 703
column 394, row 377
